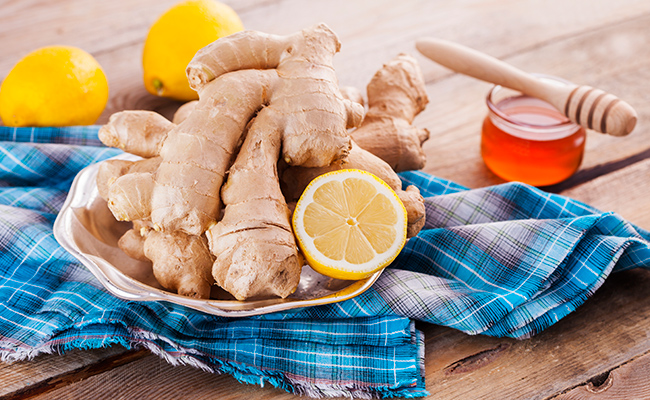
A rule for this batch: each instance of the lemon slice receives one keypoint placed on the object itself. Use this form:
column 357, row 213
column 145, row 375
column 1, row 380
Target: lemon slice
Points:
column 349, row 224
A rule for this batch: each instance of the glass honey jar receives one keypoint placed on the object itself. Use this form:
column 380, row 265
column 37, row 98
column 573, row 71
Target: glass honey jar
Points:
column 526, row 139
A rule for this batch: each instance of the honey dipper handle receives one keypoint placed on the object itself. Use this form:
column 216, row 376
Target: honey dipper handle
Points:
column 591, row 108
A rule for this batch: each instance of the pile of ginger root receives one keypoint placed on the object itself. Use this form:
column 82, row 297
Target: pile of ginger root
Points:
column 208, row 198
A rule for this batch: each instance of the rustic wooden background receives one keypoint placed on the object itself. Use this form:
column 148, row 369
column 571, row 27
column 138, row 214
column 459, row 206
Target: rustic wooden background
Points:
column 600, row 351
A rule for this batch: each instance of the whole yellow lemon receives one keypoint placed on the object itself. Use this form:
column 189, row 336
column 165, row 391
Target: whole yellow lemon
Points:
column 54, row 86
column 174, row 39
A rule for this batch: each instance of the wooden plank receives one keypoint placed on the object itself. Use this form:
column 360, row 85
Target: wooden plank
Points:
column 374, row 31
column 370, row 27
column 625, row 191
column 112, row 31
column 26, row 378
column 629, row 381
column 153, row 378
column 97, row 26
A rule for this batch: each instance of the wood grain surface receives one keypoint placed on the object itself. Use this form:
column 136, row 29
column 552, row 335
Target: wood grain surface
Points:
column 27, row 379
column 602, row 351
column 629, row 381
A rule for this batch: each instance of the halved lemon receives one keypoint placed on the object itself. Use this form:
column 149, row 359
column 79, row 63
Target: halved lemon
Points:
column 349, row 224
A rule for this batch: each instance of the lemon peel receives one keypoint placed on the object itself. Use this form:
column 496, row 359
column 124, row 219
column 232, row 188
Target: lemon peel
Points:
column 54, row 86
column 175, row 37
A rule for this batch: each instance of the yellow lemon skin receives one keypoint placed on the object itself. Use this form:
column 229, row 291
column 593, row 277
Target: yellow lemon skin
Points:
column 175, row 37
column 54, row 86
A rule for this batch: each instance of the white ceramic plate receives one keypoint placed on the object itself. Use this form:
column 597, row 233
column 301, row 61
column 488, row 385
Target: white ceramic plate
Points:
column 86, row 228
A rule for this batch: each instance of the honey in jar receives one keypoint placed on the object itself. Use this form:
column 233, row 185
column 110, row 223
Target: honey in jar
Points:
column 526, row 139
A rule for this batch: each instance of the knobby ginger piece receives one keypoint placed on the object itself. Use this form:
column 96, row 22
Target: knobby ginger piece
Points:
column 136, row 132
column 181, row 196
column 181, row 262
column 108, row 173
column 132, row 242
column 110, row 170
column 199, row 151
column 353, row 94
column 396, row 94
column 313, row 113
column 183, row 192
column 256, row 253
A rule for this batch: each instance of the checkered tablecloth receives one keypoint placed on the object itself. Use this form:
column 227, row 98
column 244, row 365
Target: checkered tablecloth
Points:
column 508, row 260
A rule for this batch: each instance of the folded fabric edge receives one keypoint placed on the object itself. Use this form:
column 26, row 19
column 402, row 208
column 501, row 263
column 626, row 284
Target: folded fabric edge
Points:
column 11, row 352
column 543, row 318
column 293, row 384
column 407, row 389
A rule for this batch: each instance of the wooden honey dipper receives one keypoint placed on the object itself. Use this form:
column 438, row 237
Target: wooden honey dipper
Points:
column 584, row 105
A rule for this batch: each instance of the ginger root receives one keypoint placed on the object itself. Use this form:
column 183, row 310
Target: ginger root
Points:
column 306, row 117
column 184, row 111
column 180, row 261
column 206, row 201
column 274, row 94
column 396, row 94
column 132, row 242
column 312, row 112
column 353, row 94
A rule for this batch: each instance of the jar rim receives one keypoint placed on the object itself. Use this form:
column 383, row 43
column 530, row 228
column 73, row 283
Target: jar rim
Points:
column 564, row 123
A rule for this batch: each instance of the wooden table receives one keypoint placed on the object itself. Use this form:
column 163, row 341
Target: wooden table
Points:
column 600, row 351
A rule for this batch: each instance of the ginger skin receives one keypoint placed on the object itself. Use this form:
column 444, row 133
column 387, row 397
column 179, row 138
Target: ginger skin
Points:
column 353, row 94
column 181, row 263
column 396, row 94
column 132, row 242
column 184, row 111
column 255, row 229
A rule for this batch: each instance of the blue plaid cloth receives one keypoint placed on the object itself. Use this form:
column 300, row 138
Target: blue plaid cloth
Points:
column 508, row 260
